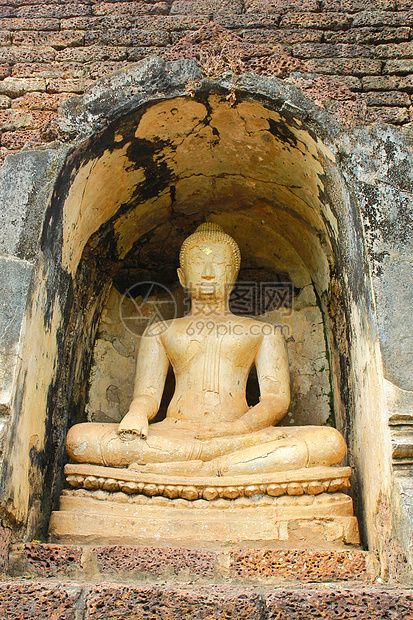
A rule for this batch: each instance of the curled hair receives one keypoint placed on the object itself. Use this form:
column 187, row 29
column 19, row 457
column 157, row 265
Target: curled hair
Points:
column 208, row 231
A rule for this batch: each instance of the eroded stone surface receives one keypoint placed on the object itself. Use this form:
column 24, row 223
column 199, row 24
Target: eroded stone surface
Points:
column 38, row 600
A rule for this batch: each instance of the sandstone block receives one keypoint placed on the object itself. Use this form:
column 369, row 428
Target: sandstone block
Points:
column 27, row 54
column 139, row 53
column 333, row 602
column 8, row 11
column 4, row 102
column 5, row 71
column 29, row 24
column 15, row 87
column 128, row 37
column 352, row 6
column 351, row 82
column 13, row 119
column 188, row 7
column 394, row 115
column 186, row 602
column 49, row 70
column 406, row 83
column 130, row 8
column 322, row 21
column 400, row 50
column 97, row 52
column 381, row 82
column 383, row 18
column 97, row 70
column 303, row 565
column 280, row 6
column 249, row 20
column 324, row 50
column 392, row 98
column 88, row 23
column 170, row 22
column 369, row 35
column 40, row 101
column 5, row 37
column 58, row 85
column 5, row 538
column 16, row 140
column 45, row 560
column 32, row 601
column 57, row 40
column 398, row 66
column 53, row 10
column 339, row 66
column 155, row 560
column 282, row 36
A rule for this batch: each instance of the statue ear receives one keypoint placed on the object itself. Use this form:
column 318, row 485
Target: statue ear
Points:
column 181, row 277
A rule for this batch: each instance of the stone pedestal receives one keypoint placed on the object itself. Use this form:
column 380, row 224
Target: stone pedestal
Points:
column 290, row 508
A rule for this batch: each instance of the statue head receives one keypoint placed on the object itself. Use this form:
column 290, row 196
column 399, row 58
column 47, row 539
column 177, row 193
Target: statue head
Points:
column 209, row 263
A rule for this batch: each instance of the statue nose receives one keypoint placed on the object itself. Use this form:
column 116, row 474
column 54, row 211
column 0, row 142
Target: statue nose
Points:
column 208, row 272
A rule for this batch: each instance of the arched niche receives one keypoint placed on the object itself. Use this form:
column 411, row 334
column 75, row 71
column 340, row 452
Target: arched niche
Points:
column 268, row 173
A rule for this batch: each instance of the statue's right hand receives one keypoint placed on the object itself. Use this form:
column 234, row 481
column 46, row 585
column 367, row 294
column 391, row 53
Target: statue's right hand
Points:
column 134, row 425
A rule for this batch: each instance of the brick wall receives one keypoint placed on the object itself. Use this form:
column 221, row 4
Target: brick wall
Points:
column 53, row 49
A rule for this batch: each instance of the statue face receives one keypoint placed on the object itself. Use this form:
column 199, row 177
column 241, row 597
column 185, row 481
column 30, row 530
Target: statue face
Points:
column 209, row 271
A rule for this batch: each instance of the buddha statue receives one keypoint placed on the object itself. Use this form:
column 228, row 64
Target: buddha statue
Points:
column 209, row 429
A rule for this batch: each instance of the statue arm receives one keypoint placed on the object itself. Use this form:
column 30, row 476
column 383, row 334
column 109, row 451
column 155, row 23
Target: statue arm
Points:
column 274, row 380
column 151, row 369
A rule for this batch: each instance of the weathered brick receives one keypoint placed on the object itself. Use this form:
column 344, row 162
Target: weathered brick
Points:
column 404, row 4
column 33, row 601
column 13, row 119
column 388, row 98
column 177, row 602
column 15, row 87
column 281, row 36
column 130, row 8
column 280, row 6
column 97, row 52
column 40, row 101
column 87, row 23
column 383, row 18
column 326, row 21
column 29, row 24
column 40, row 559
column 49, row 70
column 406, row 83
column 27, row 54
column 5, row 37
column 398, row 66
column 352, row 6
column 134, row 54
column 128, row 37
column 57, row 40
column 250, row 20
column 8, row 11
column 5, row 70
column 394, row 115
column 5, row 532
column 57, row 85
column 325, row 50
column 97, row 70
column 187, row 7
column 369, row 35
column 339, row 66
column 395, row 50
column 53, row 10
column 353, row 83
column 380, row 82
column 169, row 22
column 5, row 102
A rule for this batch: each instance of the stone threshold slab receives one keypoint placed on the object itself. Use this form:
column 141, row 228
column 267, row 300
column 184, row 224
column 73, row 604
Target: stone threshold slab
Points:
column 154, row 564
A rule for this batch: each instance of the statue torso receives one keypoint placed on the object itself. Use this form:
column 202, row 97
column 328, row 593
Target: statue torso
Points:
column 211, row 360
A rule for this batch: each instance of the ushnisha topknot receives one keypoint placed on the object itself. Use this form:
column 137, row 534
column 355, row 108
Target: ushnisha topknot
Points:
column 209, row 231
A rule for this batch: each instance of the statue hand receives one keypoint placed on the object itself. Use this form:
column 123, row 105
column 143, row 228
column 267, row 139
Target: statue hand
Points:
column 134, row 425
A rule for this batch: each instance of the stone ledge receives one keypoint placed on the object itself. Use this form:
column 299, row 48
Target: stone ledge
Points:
column 64, row 601
column 153, row 564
